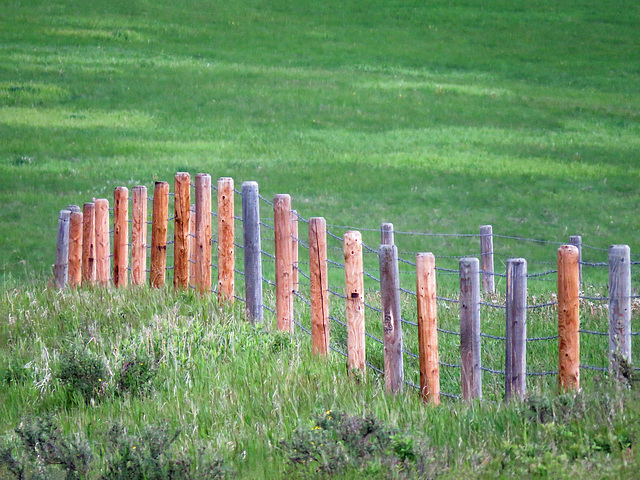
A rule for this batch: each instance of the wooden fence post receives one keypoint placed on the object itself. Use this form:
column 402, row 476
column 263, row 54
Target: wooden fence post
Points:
column 284, row 264
column 354, row 281
column 159, row 220
column 470, row 329
column 391, row 318
column 619, row 308
column 88, row 244
column 120, row 236
column 226, row 233
column 516, row 344
column 295, row 283
column 486, row 256
column 568, row 318
column 318, row 274
column 139, row 235
column 252, row 250
column 386, row 234
column 428, row 328
column 182, row 241
column 203, row 233
column 75, row 249
column 576, row 241
column 103, row 243
column 61, row 266
column 192, row 246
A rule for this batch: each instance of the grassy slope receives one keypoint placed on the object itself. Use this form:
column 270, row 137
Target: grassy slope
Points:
column 239, row 392
column 438, row 117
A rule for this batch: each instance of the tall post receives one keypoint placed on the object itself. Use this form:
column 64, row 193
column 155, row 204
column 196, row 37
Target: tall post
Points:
column 391, row 318
column 576, row 241
column 192, row 246
column 486, row 256
column 61, row 267
column 226, row 233
column 159, row 221
column 252, row 250
column 284, row 273
column 103, row 243
column 428, row 328
column 319, row 286
column 120, row 236
column 516, row 344
column 88, row 244
column 568, row 318
column 619, row 307
column 294, row 251
column 470, row 329
column 354, row 282
column 139, row 235
column 182, row 241
column 386, row 234
column 75, row 249
column 203, row 233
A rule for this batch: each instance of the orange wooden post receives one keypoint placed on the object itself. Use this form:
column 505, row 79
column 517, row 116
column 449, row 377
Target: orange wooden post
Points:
column 203, row 233
column 354, row 281
column 159, row 221
column 120, row 236
column 192, row 246
column 75, row 249
column 103, row 244
column 294, row 251
column 284, row 274
column 568, row 318
column 428, row 328
column 139, row 235
column 226, row 233
column 88, row 244
column 181, row 235
column 319, row 286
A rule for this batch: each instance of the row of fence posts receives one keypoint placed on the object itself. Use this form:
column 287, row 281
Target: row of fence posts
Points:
column 83, row 257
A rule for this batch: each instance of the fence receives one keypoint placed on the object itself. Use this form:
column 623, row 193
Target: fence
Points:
column 182, row 242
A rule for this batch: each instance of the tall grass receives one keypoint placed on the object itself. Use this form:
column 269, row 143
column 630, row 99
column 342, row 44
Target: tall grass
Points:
column 240, row 393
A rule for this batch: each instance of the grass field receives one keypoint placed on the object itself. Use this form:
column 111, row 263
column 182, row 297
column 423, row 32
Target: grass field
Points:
column 438, row 117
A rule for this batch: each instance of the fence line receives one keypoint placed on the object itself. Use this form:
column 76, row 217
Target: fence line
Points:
column 84, row 258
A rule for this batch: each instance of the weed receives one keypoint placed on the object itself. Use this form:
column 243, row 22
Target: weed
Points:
column 83, row 374
column 39, row 448
column 149, row 456
column 136, row 375
column 339, row 443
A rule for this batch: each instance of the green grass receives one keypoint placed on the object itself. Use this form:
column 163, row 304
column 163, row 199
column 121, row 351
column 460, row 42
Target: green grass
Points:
column 242, row 394
column 437, row 117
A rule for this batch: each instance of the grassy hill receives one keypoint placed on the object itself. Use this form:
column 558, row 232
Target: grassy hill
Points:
column 120, row 384
column 436, row 116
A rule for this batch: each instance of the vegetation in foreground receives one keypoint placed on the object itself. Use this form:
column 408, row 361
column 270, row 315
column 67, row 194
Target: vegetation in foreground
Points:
column 154, row 384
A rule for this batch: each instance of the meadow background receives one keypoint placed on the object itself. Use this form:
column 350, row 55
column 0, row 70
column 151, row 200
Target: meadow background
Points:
column 438, row 117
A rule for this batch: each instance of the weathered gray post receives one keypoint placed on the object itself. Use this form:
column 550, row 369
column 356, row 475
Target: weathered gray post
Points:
column 470, row 329
column 516, row 344
column 486, row 255
column 576, row 241
column 61, row 266
column 619, row 306
column 391, row 318
column 252, row 250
